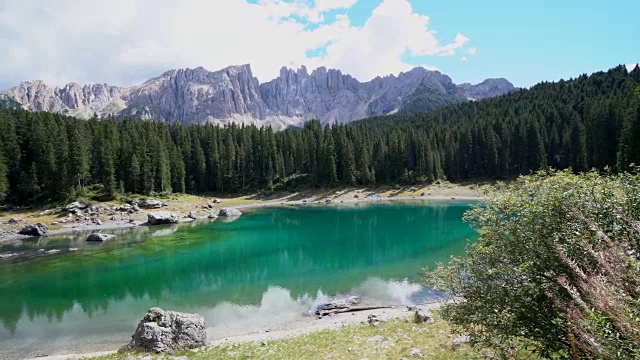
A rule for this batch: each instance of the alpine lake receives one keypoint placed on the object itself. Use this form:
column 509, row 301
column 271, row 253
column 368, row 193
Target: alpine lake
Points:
column 62, row 295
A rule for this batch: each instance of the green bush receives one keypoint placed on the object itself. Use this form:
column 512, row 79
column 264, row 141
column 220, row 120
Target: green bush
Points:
column 555, row 268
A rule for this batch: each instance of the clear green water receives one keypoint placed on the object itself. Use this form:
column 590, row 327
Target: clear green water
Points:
column 267, row 268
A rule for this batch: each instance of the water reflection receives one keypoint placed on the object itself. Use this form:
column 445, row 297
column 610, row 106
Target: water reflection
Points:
column 212, row 268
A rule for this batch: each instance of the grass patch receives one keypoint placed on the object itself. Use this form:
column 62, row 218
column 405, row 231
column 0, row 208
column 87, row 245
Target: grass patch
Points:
column 394, row 339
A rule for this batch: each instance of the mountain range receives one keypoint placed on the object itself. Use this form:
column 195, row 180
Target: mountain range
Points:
column 233, row 94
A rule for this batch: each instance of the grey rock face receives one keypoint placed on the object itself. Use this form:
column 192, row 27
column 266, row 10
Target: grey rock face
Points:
column 162, row 217
column 229, row 212
column 73, row 99
column 95, row 237
column 233, row 94
column 486, row 89
column 34, row 230
column 168, row 331
column 151, row 204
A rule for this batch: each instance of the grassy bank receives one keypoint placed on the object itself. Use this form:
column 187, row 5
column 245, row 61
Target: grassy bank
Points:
column 395, row 339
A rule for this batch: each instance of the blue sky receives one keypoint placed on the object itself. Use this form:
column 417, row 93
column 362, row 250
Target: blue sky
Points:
column 124, row 42
column 530, row 41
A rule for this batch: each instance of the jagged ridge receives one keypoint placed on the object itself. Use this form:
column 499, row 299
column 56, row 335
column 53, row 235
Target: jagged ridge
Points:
column 233, row 94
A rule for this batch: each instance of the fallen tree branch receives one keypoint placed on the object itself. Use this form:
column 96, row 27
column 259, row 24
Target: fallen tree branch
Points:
column 349, row 309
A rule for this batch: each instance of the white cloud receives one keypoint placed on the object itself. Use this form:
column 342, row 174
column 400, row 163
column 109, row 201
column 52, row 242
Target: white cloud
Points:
column 123, row 42
column 472, row 50
column 630, row 67
column 463, row 59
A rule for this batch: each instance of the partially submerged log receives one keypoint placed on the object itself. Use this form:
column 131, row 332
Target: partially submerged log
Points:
column 321, row 313
column 340, row 303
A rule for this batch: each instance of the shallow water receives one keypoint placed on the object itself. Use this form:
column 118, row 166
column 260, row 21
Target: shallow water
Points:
column 265, row 269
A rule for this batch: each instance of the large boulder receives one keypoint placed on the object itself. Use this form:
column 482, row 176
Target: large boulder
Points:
column 34, row 230
column 168, row 331
column 162, row 217
column 229, row 212
column 151, row 204
column 95, row 237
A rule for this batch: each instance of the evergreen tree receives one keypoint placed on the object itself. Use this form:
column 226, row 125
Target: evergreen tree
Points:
column 578, row 150
column 629, row 148
column 78, row 168
column 134, row 174
column 4, row 181
column 329, row 170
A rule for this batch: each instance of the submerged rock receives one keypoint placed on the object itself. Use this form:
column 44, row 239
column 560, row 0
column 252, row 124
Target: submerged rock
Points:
column 95, row 237
column 162, row 217
column 229, row 212
column 168, row 331
column 34, row 230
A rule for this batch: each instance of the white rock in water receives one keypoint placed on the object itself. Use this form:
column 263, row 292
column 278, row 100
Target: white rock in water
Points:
column 162, row 217
column 229, row 212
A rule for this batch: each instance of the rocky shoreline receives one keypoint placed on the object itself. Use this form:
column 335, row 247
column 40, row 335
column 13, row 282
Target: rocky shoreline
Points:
column 79, row 217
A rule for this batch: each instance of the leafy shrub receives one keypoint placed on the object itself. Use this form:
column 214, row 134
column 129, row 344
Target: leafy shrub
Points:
column 555, row 268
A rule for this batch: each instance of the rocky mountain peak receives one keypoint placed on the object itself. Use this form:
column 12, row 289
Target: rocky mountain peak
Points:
column 233, row 94
column 491, row 87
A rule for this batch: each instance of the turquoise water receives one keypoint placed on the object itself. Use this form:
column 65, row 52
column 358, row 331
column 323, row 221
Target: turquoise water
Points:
column 266, row 268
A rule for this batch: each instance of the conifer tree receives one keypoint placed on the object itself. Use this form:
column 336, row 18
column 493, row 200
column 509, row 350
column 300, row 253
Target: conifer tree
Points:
column 4, row 181
column 578, row 148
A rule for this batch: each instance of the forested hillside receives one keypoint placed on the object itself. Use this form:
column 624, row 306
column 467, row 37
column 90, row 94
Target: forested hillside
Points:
column 591, row 121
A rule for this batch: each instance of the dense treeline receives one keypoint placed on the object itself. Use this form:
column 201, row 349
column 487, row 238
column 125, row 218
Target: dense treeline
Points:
column 591, row 121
